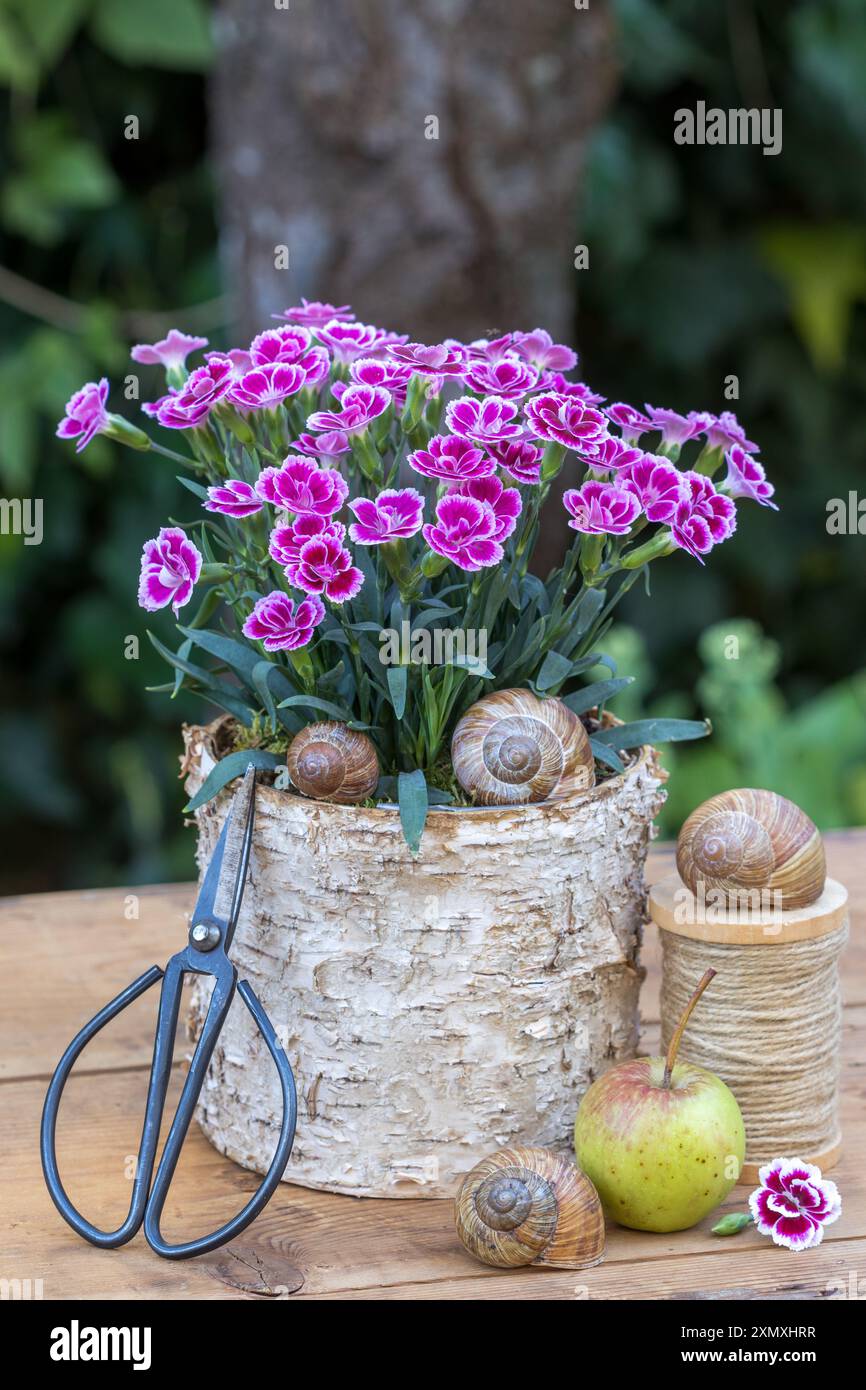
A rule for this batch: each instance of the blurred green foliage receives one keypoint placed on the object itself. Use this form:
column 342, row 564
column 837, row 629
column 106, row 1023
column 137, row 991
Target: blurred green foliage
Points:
column 704, row 262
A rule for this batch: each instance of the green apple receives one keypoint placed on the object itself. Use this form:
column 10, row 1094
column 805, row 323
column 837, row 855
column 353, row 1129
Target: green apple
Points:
column 662, row 1140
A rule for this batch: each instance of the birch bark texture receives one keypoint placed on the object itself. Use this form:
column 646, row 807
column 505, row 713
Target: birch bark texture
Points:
column 419, row 159
column 433, row 1009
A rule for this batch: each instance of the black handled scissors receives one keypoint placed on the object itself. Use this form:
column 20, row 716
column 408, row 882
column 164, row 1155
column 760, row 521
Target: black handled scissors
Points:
column 210, row 936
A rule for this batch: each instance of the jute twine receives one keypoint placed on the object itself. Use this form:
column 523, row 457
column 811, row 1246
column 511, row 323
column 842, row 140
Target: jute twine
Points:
column 770, row 1026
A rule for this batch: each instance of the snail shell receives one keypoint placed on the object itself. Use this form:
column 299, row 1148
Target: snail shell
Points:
column 511, row 747
column 746, row 841
column 530, row 1207
column 332, row 762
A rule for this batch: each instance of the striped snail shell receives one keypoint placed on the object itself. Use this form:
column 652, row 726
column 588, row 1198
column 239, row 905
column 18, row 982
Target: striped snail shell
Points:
column 512, row 747
column 747, row 841
column 332, row 762
column 530, row 1207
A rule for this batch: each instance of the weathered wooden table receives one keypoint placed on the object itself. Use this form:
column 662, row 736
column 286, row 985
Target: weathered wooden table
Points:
column 65, row 954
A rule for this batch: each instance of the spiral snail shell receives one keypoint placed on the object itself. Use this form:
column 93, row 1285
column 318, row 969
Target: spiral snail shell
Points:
column 512, row 747
column 747, row 841
column 332, row 762
column 530, row 1207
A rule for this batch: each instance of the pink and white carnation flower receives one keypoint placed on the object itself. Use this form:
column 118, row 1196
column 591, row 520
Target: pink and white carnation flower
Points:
column 359, row 407
column 299, row 486
column 281, row 626
column 437, row 359
column 504, row 502
column 452, row 459
column 170, row 567
column 675, row 429
column 508, row 377
column 489, row 421
column 171, row 351
column 324, row 566
column 348, row 341
column 330, row 445
column 601, row 509
column 557, row 383
column 703, row 518
column 794, row 1203
column 724, row 430
column 565, row 420
column 234, row 497
column 86, row 415
column 286, row 540
column 657, row 485
column 264, row 388
column 520, row 459
column 631, row 421
column 312, row 313
column 395, row 514
column 746, row 478
column 203, row 389
column 539, row 348
column 610, row 454
column 374, row 371
column 464, row 532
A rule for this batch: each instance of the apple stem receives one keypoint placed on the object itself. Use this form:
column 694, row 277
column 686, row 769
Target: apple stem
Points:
column 675, row 1041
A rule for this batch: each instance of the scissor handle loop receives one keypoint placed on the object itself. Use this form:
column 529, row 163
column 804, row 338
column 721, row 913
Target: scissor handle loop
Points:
column 147, row 1202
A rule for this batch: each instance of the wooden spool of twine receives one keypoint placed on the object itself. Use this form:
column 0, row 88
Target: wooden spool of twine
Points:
column 770, row 1024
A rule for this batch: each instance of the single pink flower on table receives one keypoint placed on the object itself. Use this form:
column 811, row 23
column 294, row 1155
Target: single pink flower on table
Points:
column 675, row 429
column 794, row 1203
column 286, row 540
column 504, row 502
column 746, row 478
column 299, row 486
column 171, row 351
column 632, row 422
column 203, row 389
column 360, row 405
column 394, row 514
column 657, row 485
column 348, row 341
column 264, row 388
column 565, row 420
column 438, row 359
column 279, row 625
column 324, row 566
column 489, row 421
column 724, row 430
column 394, row 376
column 86, row 415
column 610, row 453
column 311, row 313
column 539, row 348
column 170, row 567
column 600, row 509
column 521, row 459
column 508, row 377
column 451, row 458
column 464, row 532
column 328, row 446
column 557, row 383
column 234, row 497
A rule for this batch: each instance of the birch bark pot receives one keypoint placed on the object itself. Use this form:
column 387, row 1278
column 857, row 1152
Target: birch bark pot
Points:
column 433, row 1009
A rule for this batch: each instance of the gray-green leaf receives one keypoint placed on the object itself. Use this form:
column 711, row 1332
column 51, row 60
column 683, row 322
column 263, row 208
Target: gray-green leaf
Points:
column 412, row 799
column 234, row 765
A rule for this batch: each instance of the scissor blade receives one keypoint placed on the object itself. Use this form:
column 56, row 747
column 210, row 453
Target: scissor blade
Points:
column 221, row 891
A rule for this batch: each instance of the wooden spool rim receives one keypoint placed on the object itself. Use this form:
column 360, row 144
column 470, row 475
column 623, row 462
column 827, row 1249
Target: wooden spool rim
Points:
column 669, row 897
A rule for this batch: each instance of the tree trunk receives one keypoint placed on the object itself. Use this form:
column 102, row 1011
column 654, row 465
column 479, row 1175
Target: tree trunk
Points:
column 433, row 1009
column 419, row 159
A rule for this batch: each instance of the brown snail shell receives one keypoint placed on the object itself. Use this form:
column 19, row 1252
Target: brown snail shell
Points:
column 530, row 1207
column 747, row 841
column 512, row 747
column 331, row 762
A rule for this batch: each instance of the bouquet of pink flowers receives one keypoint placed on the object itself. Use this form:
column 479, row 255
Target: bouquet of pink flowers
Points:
column 360, row 493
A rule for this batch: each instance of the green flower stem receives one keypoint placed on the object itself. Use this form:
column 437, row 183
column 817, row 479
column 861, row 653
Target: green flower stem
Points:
column 590, row 558
column 708, row 461
column 303, row 664
column 187, row 462
column 552, row 460
column 367, row 457
column 126, row 433
column 662, row 543
column 407, row 578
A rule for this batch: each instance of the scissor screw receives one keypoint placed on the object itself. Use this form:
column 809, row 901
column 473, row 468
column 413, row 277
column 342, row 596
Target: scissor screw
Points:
column 205, row 937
